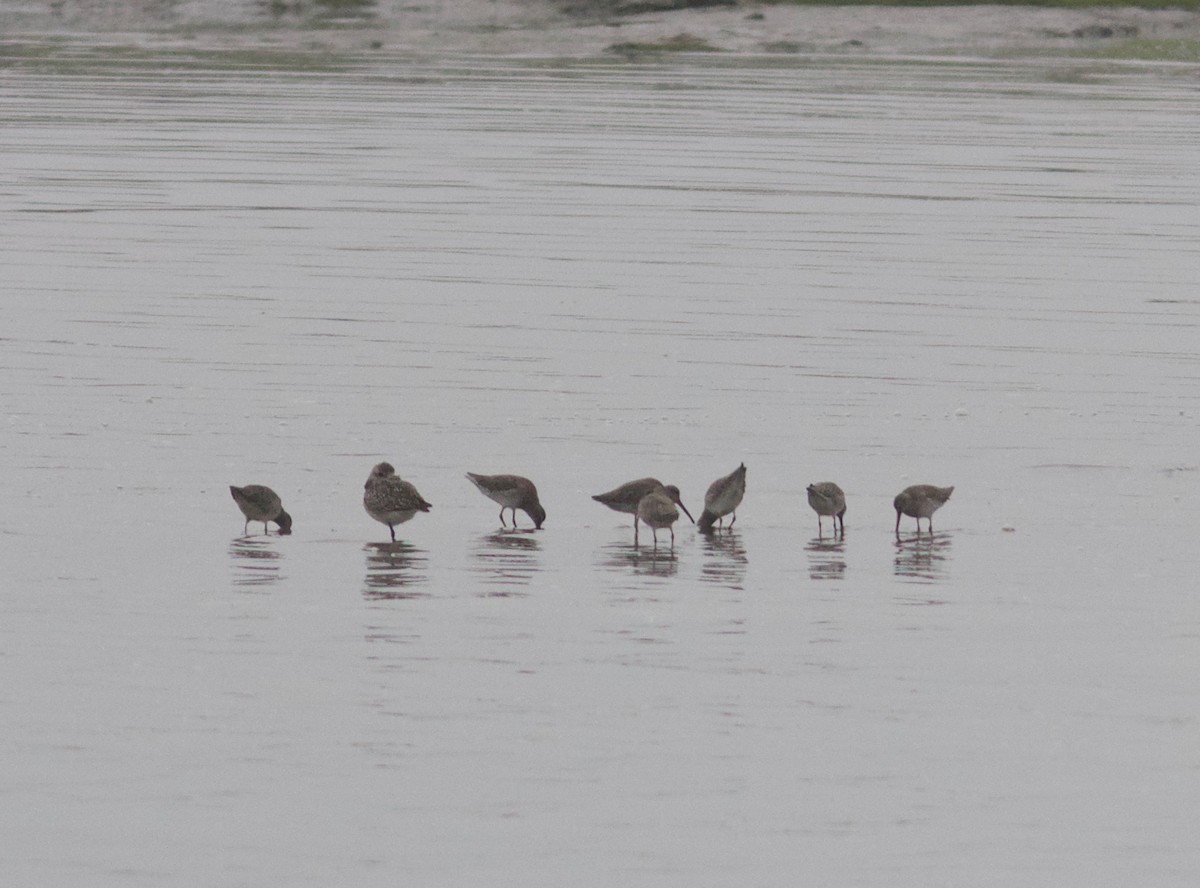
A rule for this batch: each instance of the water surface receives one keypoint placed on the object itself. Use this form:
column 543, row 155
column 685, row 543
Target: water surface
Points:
column 874, row 273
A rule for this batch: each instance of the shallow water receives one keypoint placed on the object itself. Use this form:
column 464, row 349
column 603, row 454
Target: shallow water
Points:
column 874, row 273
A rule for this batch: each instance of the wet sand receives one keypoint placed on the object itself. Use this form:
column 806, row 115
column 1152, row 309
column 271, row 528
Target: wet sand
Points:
column 510, row 27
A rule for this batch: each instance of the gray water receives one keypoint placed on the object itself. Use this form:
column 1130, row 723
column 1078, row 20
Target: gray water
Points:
column 876, row 273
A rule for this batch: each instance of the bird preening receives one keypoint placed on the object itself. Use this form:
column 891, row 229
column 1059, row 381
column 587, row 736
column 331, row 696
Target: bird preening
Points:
column 390, row 499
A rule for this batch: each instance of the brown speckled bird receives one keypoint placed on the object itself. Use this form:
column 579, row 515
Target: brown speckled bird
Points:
column 391, row 500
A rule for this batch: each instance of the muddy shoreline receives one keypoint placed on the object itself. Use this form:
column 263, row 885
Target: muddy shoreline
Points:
column 589, row 29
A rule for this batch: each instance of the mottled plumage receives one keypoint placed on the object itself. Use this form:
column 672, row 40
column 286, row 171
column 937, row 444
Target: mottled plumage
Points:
column 723, row 497
column 629, row 495
column 260, row 503
column 391, row 500
column 827, row 498
column 920, row 501
column 511, row 492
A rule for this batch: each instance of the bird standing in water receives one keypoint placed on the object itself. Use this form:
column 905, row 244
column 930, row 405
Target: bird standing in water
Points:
column 629, row 495
column 658, row 510
column 722, row 498
column 259, row 503
column 920, row 501
column 827, row 498
column 511, row 492
column 391, row 500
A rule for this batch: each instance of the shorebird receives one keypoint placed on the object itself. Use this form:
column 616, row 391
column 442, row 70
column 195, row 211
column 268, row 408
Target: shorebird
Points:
column 827, row 498
column 723, row 497
column 920, row 501
column 389, row 499
column 627, row 497
column 511, row 492
column 658, row 510
column 260, row 503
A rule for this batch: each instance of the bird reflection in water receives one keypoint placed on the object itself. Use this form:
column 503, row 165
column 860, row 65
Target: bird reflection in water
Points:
column 395, row 570
column 922, row 559
column 827, row 556
column 256, row 561
column 506, row 560
column 724, row 560
column 646, row 560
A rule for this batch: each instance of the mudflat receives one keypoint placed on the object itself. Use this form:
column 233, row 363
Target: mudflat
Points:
column 585, row 29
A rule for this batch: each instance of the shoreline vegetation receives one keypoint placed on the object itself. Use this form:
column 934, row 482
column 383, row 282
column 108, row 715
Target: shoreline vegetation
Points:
column 1132, row 30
